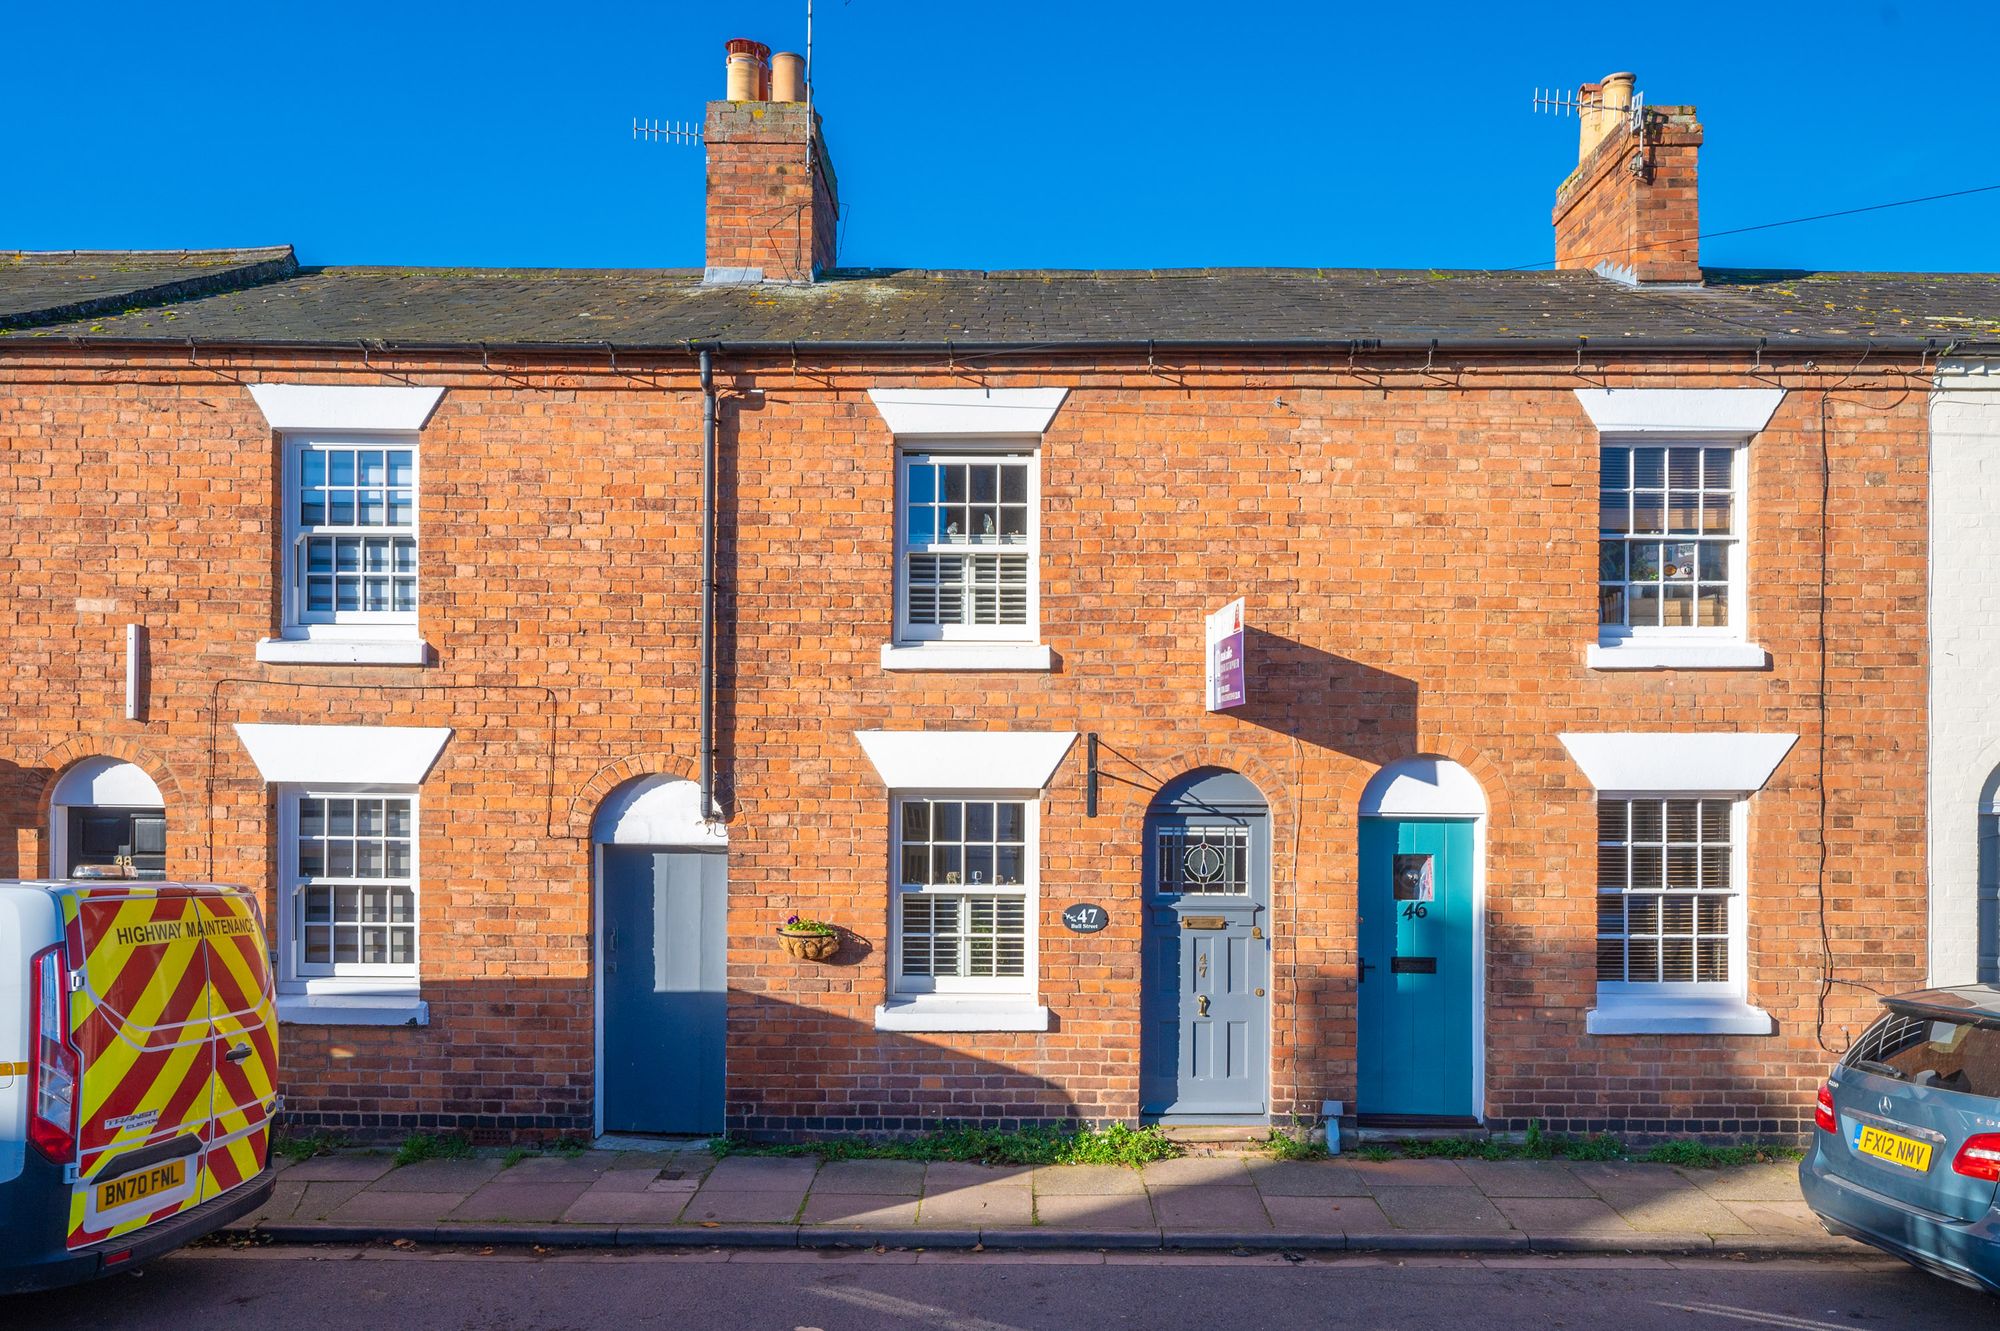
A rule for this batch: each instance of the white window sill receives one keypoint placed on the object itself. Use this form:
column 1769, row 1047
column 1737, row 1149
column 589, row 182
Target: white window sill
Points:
column 961, row 1014
column 353, row 1010
column 1642, row 654
column 1678, row 1016
column 344, row 651
column 967, row 656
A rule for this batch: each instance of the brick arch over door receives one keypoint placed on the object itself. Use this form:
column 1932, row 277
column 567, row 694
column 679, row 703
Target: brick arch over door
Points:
column 1277, row 785
column 70, row 752
column 583, row 805
column 1492, row 782
column 58, row 762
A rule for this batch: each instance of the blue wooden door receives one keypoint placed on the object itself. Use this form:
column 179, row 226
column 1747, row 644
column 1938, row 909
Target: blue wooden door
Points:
column 1417, row 925
column 664, row 947
column 1206, row 1043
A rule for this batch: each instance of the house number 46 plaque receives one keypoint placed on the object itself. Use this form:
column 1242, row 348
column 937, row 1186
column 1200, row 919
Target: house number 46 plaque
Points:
column 1085, row 918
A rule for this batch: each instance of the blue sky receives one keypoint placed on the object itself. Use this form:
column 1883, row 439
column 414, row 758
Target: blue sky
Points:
column 1012, row 135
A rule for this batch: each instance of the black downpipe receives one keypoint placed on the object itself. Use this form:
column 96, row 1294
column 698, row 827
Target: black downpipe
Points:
column 707, row 703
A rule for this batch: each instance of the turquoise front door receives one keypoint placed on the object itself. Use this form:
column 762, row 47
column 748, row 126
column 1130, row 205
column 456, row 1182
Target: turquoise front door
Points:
column 1418, row 927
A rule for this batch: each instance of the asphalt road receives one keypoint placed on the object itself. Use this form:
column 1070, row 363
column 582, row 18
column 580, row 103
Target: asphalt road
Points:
column 378, row 1289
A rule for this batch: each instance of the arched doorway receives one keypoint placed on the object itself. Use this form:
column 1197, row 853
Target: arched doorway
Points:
column 662, row 939
column 107, row 819
column 1205, row 1053
column 1421, row 897
column 1988, row 904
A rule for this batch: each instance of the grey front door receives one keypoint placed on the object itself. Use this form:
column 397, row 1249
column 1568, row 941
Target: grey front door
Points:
column 1206, row 1046
column 663, row 945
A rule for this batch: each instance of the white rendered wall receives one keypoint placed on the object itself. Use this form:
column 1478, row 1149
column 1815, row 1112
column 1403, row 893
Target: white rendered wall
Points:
column 1965, row 652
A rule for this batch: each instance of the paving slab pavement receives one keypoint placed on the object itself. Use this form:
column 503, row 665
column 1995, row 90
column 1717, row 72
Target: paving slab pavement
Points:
column 531, row 1200
column 602, row 1207
column 1545, row 1217
column 1410, row 1174
column 1085, row 1181
column 691, row 1199
column 1326, row 1215
column 1681, row 1211
column 1109, row 1210
column 352, row 1167
column 880, row 1178
column 1527, row 1178
column 755, row 1173
column 727, row 1203
column 1305, row 1178
column 438, row 1176
column 859, row 1209
column 978, row 1207
column 1442, row 1210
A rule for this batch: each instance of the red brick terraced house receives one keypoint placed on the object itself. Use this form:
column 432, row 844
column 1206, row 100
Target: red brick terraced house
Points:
column 540, row 642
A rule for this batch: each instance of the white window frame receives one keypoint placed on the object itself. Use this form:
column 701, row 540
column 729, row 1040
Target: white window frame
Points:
column 1737, row 987
column 944, row 450
column 341, row 977
column 932, row 987
column 1613, row 636
column 364, row 625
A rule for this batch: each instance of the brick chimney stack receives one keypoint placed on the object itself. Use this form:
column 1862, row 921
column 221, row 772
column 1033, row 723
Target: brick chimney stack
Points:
column 772, row 199
column 1629, row 210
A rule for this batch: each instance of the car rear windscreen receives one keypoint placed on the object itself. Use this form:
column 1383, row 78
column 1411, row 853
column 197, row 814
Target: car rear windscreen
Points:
column 1928, row 1051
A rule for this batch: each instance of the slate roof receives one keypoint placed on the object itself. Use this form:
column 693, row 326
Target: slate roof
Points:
column 251, row 301
column 45, row 288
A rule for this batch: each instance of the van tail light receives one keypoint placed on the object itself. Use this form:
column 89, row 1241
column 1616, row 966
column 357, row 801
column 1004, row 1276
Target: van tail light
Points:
column 1979, row 1158
column 53, row 1063
column 1823, row 1118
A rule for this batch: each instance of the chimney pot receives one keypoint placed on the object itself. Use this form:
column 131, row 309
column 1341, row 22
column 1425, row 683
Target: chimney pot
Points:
column 748, row 70
column 788, row 77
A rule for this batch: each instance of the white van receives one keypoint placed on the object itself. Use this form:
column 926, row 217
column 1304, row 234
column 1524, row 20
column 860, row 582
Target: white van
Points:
column 138, row 1072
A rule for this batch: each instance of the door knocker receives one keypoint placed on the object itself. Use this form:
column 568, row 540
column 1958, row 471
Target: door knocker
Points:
column 1201, row 1005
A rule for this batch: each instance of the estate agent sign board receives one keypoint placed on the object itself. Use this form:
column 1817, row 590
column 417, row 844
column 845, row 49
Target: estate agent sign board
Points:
column 1225, row 657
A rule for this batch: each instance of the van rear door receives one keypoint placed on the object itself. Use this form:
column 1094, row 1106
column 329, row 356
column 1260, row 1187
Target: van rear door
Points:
column 139, row 1019
column 244, row 1024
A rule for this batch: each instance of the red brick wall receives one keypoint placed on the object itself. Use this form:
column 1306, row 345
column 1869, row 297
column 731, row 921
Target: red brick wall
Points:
column 771, row 191
column 1417, row 552
column 1645, row 224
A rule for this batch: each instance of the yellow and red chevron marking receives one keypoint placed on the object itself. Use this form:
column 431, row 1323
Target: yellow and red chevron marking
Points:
column 243, row 1012
column 141, row 1022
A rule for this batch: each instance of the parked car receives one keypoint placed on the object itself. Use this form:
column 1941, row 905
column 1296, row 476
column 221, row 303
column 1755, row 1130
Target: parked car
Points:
column 138, row 1072
column 1907, row 1152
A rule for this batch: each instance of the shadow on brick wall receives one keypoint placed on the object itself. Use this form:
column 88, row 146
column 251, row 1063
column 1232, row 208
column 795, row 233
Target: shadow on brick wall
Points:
column 20, row 801
column 821, row 1072
column 1543, row 1070
column 1326, row 700
column 512, row 1060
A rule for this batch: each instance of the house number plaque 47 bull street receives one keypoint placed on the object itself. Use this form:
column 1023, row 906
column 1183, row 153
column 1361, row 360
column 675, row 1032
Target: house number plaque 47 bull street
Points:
column 1085, row 918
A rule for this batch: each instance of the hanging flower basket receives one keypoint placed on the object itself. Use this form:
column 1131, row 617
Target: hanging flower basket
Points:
column 809, row 940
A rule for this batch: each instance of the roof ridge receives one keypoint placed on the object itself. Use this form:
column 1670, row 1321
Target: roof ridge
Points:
column 241, row 269
column 225, row 252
